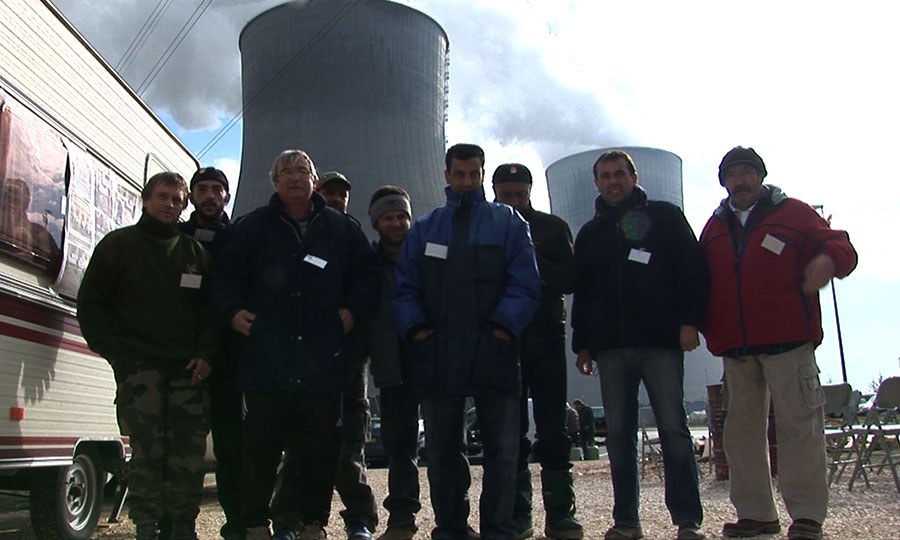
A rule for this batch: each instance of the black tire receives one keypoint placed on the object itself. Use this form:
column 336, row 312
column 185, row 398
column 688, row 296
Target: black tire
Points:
column 65, row 501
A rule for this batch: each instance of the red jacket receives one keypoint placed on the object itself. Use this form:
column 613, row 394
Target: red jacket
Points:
column 755, row 298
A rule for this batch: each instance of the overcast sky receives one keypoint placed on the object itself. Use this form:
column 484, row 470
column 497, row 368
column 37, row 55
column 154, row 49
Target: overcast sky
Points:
column 812, row 86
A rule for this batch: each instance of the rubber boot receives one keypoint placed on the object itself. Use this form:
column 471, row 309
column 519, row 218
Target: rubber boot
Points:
column 559, row 505
column 522, row 506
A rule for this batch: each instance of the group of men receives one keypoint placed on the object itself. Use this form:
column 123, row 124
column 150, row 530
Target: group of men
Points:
column 262, row 329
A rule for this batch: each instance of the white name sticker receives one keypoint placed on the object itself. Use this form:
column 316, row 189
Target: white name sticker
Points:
column 315, row 261
column 773, row 244
column 204, row 235
column 639, row 256
column 435, row 250
column 191, row 281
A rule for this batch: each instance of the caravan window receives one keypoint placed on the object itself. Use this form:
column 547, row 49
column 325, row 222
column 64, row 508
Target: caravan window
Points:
column 32, row 189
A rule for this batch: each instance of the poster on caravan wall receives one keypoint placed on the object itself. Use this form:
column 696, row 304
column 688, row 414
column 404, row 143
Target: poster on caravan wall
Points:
column 99, row 202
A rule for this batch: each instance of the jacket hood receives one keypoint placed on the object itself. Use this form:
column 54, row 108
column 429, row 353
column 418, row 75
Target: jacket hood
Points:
column 606, row 212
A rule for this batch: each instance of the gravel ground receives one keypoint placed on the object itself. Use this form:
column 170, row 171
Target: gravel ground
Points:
column 871, row 513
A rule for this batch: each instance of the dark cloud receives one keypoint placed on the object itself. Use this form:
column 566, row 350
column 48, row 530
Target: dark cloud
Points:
column 201, row 82
column 500, row 85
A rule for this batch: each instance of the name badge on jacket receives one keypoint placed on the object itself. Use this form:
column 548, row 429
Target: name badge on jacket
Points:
column 315, row 261
column 773, row 244
column 191, row 281
column 639, row 256
column 437, row 251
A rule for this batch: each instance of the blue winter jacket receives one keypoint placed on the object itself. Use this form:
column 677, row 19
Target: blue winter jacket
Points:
column 462, row 290
column 295, row 283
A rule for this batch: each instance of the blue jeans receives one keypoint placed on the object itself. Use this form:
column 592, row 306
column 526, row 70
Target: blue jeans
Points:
column 662, row 371
column 448, row 468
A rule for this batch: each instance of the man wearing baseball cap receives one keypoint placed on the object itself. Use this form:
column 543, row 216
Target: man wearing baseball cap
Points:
column 768, row 256
column 543, row 359
column 209, row 224
column 335, row 187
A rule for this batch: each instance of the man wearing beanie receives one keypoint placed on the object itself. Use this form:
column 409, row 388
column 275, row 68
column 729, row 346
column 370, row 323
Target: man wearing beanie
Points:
column 142, row 306
column 544, row 365
column 768, row 256
column 467, row 286
column 390, row 213
column 209, row 224
column 640, row 292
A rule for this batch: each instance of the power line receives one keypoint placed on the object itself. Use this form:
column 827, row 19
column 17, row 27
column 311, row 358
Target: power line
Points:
column 173, row 46
column 143, row 33
column 253, row 100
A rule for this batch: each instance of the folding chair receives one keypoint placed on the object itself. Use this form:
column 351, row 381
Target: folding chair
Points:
column 879, row 445
column 841, row 403
column 651, row 449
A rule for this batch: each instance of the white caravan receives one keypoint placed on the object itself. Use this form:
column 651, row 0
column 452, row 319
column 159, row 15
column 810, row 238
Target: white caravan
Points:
column 76, row 146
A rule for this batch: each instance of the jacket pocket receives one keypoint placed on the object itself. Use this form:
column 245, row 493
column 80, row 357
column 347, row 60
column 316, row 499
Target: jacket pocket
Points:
column 810, row 387
column 423, row 361
column 497, row 366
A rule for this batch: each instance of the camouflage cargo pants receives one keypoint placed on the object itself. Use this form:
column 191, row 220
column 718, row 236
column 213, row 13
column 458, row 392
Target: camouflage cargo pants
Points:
column 167, row 419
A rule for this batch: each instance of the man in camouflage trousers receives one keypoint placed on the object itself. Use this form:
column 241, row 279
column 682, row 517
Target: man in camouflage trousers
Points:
column 141, row 306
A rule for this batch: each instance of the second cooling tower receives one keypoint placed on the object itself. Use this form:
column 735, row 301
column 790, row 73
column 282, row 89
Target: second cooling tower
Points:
column 360, row 85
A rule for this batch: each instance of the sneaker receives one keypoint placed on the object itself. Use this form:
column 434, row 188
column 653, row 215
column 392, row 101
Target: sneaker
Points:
column 398, row 533
column 624, row 532
column 356, row 530
column 745, row 528
column 805, row 529
column 690, row 531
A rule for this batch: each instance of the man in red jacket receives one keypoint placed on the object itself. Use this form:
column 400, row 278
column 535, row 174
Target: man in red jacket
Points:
column 768, row 256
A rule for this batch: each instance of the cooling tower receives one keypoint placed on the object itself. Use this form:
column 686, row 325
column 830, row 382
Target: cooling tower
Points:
column 361, row 85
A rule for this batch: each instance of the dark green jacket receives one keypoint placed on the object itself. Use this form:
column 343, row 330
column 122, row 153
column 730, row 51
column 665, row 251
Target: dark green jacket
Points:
column 142, row 301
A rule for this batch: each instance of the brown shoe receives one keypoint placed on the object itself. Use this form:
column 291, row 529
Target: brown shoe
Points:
column 805, row 529
column 745, row 528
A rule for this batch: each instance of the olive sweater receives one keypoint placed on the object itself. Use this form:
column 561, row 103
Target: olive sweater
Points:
column 143, row 300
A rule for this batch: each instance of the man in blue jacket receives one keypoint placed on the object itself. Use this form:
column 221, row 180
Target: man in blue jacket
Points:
column 467, row 285
column 296, row 277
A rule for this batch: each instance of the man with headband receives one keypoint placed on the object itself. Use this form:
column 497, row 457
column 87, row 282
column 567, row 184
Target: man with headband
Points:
column 389, row 210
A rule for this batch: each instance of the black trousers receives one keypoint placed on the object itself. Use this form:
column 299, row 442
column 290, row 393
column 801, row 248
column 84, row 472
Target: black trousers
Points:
column 302, row 422
column 543, row 360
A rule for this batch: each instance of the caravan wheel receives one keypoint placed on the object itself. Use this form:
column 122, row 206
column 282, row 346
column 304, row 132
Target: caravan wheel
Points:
column 65, row 501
